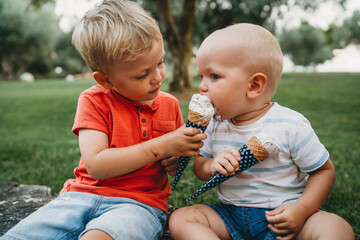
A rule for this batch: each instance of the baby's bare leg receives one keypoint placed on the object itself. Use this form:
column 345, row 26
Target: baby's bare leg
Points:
column 96, row 234
column 326, row 226
column 197, row 222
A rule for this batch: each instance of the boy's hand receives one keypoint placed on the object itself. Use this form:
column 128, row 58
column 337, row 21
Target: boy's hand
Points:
column 170, row 164
column 287, row 220
column 226, row 162
column 184, row 141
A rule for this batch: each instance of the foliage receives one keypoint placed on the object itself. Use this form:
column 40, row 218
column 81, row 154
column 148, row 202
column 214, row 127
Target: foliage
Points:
column 39, row 148
column 215, row 14
column 306, row 45
column 347, row 33
column 28, row 36
column 67, row 57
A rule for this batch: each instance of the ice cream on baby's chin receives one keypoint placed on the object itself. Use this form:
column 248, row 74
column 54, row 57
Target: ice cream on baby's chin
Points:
column 202, row 104
column 217, row 115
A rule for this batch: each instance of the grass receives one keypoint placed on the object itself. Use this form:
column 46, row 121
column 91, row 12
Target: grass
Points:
column 37, row 146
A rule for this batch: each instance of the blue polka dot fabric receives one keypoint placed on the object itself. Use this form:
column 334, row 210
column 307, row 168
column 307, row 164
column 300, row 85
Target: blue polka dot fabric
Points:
column 184, row 160
column 247, row 160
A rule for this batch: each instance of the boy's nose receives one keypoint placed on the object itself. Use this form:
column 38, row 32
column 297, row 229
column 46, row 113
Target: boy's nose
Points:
column 157, row 76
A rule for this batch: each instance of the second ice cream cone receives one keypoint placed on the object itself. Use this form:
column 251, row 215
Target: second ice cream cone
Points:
column 257, row 149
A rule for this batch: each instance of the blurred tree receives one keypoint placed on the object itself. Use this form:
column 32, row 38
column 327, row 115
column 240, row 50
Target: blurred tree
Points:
column 347, row 33
column 306, row 45
column 39, row 3
column 67, row 57
column 28, row 36
column 179, row 39
column 178, row 17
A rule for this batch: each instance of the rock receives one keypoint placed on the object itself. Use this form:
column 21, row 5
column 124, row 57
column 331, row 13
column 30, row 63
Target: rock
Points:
column 18, row 201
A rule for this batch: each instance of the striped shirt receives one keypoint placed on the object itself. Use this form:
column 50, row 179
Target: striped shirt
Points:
column 277, row 180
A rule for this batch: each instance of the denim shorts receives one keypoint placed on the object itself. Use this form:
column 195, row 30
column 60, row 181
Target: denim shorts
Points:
column 72, row 214
column 244, row 223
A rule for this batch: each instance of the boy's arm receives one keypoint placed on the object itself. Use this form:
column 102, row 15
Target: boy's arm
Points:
column 103, row 162
column 288, row 219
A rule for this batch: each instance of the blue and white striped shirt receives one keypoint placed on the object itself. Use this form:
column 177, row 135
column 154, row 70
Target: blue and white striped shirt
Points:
column 277, row 180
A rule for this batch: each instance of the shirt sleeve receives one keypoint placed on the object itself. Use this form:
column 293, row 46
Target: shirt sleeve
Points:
column 306, row 150
column 90, row 114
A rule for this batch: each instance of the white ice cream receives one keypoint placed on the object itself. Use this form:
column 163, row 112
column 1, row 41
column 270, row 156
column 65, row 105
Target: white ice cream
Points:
column 202, row 105
column 268, row 143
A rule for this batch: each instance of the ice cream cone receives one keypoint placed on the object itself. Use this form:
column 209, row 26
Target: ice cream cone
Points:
column 200, row 114
column 257, row 149
column 197, row 118
column 251, row 153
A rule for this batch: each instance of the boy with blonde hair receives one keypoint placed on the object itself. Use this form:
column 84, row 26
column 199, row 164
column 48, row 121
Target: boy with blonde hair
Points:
column 280, row 197
column 129, row 135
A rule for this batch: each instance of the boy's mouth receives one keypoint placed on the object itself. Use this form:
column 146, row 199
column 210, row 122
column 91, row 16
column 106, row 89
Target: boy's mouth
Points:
column 155, row 90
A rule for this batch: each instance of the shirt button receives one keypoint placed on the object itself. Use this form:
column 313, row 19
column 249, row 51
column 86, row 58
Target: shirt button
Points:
column 144, row 133
column 141, row 110
column 143, row 120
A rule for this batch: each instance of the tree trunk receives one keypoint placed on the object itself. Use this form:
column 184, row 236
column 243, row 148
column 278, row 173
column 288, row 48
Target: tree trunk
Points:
column 179, row 40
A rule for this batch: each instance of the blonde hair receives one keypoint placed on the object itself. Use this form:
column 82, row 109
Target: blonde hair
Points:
column 261, row 51
column 114, row 30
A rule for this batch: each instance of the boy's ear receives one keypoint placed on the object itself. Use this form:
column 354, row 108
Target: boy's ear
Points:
column 102, row 79
column 258, row 83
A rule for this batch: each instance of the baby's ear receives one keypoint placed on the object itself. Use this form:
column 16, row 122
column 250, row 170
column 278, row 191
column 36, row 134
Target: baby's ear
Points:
column 102, row 79
column 258, row 83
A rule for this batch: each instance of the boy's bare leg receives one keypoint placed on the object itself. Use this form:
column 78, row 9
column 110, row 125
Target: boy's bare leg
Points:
column 326, row 226
column 197, row 222
column 96, row 234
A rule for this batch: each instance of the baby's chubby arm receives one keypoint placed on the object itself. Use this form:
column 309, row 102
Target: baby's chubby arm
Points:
column 287, row 220
column 226, row 163
column 103, row 162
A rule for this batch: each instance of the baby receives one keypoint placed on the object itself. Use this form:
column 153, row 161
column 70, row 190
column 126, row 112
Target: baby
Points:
column 279, row 198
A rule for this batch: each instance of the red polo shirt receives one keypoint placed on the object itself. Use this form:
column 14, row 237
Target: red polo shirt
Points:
column 126, row 123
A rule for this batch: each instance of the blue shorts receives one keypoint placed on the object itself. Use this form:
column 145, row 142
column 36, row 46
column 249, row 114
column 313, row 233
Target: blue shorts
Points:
column 72, row 214
column 244, row 223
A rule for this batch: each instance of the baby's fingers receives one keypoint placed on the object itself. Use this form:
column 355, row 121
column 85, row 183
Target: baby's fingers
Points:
column 280, row 232
column 228, row 164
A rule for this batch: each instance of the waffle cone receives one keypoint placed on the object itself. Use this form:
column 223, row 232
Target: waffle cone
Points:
column 257, row 149
column 196, row 118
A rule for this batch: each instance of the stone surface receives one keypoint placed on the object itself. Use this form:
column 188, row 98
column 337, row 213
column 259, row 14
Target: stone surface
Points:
column 18, row 201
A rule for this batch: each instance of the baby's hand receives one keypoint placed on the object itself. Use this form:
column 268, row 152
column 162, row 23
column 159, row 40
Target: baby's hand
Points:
column 287, row 220
column 170, row 164
column 226, row 162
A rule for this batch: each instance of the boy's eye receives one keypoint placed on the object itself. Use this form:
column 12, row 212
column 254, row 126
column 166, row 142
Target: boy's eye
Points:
column 214, row 76
column 142, row 76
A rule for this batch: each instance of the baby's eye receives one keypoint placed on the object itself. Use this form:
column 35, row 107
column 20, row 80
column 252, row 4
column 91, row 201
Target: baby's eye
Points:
column 161, row 62
column 214, row 76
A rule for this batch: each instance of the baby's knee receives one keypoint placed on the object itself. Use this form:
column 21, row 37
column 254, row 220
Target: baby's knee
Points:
column 179, row 216
column 324, row 225
column 182, row 215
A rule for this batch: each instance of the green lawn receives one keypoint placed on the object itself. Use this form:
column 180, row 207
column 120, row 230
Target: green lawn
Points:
column 37, row 146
